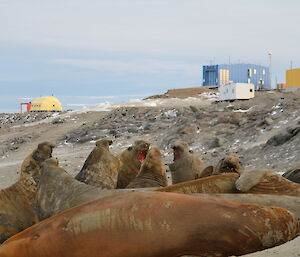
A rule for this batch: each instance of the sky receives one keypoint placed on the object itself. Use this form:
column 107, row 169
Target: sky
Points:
column 90, row 51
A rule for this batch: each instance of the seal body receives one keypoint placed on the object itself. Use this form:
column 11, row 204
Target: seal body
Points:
column 152, row 173
column 293, row 175
column 223, row 183
column 131, row 161
column 230, row 163
column 262, row 181
column 186, row 166
column 101, row 167
column 155, row 224
column 17, row 202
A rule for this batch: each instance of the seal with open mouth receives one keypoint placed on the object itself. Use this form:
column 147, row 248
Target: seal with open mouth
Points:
column 187, row 165
column 131, row 160
column 152, row 173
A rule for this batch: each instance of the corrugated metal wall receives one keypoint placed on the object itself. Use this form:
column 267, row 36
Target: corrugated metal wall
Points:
column 238, row 73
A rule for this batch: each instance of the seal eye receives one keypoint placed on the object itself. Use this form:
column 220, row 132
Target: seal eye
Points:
column 129, row 148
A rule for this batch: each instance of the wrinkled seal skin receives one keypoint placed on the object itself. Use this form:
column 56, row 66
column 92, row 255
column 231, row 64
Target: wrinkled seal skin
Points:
column 152, row 173
column 155, row 224
column 130, row 164
column 101, row 167
column 59, row 191
column 187, row 165
column 291, row 203
column 223, row 183
column 230, row 163
column 17, row 202
column 261, row 181
column 293, row 175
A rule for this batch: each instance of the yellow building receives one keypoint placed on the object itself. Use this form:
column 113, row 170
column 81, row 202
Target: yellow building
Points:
column 46, row 104
column 293, row 78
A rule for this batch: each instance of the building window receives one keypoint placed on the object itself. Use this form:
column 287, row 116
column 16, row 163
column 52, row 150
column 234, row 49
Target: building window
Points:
column 254, row 71
column 264, row 72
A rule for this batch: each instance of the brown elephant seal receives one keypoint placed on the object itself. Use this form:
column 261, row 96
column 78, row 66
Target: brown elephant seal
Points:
column 262, row 181
column 17, row 202
column 187, row 165
column 293, row 175
column 230, row 163
column 223, row 183
column 155, row 224
column 101, row 167
column 131, row 160
column 32, row 163
column 59, row 191
column 152, row 173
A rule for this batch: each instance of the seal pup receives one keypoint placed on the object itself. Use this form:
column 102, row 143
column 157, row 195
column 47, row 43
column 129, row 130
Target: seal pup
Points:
column 186, row 165
column 101, row 167
column 17, row 202
column 131, row 159
column 152, row 173
column 155, row 224
column 293, row 175
column 230, row 163
column 263, row 181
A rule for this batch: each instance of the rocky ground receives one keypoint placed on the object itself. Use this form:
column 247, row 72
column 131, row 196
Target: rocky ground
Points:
column 264, row 131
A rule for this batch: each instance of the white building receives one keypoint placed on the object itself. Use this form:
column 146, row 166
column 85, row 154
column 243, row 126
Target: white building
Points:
column 235, row 91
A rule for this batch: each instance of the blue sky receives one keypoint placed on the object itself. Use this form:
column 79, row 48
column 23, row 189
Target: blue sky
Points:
column 131, row 48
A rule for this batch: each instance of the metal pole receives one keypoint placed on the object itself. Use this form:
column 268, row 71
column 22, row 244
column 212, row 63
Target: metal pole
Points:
column 270, row 67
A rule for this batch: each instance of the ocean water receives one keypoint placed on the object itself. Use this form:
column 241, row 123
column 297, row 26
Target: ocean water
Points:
column 11, row 103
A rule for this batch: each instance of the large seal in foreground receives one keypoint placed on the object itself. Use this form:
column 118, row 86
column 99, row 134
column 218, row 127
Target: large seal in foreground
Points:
column 155, row 224
column 17, row 202
column 186, row 166
column 131, row 160
column 152, row 173
column 101, row 167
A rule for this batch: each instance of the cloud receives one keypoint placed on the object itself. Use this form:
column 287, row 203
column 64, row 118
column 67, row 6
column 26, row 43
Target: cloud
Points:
column 138, row 66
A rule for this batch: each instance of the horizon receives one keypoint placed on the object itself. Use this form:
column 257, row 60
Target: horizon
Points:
column 78, row 49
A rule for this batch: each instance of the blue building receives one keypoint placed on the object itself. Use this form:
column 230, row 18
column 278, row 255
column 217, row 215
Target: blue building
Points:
column 222, row 74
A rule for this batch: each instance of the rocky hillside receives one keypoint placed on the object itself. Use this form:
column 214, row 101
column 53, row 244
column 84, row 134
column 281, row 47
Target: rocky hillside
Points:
column 264, row 131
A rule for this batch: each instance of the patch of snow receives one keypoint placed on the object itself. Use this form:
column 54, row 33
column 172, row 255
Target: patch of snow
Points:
column 240, row 110
column 170, row 113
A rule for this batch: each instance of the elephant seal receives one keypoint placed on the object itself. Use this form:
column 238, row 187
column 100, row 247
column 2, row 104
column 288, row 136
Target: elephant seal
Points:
column 101, row 167
column 155, row 224
column 131, row 159
column 262, row 181
column 152, row 173
column 291, row 203
column 230, row 163
column 59, row 191
column 293, row 175
column 17, row 202
column 32, row 163
column 187, row 165
column 223, row 183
